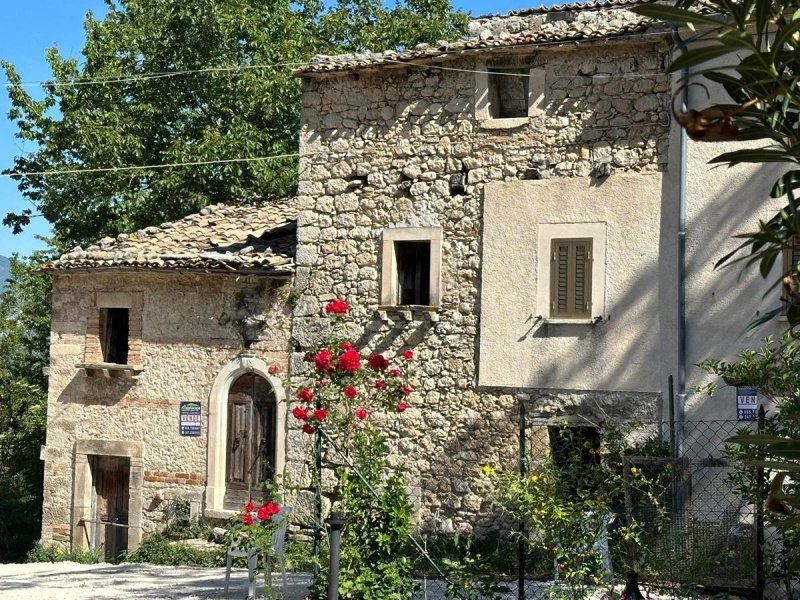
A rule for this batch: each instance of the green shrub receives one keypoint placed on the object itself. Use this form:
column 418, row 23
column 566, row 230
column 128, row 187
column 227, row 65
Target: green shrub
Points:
column 160, row 550
column 53, row 553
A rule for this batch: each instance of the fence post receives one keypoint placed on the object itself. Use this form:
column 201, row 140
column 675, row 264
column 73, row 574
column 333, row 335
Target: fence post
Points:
column 317, row 483
column 335, row 523
column 760, row 515
column 522, row 473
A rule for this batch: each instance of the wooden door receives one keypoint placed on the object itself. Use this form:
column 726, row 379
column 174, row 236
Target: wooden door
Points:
column 238, row 447
column 111, row 476
column 251, row 439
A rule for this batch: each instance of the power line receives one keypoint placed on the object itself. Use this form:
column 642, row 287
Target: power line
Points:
column 240, row 68
column 145, row 76
column 158, row 166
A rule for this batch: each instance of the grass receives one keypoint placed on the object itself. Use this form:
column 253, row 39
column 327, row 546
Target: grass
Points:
column 53, row 553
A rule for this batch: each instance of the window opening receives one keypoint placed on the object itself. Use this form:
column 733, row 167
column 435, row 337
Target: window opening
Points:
column 571, row 279
column 508, row 93
column 413, row 261
column 114, row 337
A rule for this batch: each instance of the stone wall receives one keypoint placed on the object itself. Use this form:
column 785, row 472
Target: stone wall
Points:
column 402, row 147
column 190, row 331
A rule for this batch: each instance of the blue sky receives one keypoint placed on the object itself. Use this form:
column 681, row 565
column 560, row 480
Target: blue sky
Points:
column 34, row 26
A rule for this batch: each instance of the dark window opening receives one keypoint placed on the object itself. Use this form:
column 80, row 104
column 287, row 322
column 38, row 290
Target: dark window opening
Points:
column 508, row 93
column 413, row 272
column 575, row 450
column 114, row 335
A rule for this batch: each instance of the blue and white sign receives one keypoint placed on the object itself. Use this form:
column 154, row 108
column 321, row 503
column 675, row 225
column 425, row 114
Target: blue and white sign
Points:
column 190, row 419
column 746, row 403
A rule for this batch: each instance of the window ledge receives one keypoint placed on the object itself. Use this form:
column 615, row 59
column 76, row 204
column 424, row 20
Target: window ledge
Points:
column 593, row 321
column 110, row 369
column 507, row 123
column 408, row 312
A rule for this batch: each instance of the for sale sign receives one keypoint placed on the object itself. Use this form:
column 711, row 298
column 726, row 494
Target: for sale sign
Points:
column 190, row 419
column 746, row 403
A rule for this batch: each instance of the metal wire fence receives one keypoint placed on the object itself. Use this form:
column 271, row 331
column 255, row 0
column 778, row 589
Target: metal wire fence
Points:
column 678, row 519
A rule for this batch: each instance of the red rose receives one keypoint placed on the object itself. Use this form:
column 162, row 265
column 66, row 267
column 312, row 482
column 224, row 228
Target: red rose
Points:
column 249, row 507
column 345, row 346
column 402, row 406
column 381, row 385
column 307, row 429
column 336, row 307
column 247, row 519
column 323, row 359
column 377, row 362
column 406, row 390
column 305, row 395
column 408, row 354
column 320, row 414
column 394, row 373
column 272, row 508
column 301, row 414
column 360, row 413
column 273, row 369
column 349, row 361
column 350, row 392
column 262, row 513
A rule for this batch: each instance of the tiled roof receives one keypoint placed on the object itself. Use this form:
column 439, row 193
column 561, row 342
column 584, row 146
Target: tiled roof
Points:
column 575, row 6
column 573, row 22
column 245, row 237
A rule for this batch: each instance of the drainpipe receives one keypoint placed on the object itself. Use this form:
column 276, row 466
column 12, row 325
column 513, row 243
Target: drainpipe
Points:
column 682, row 167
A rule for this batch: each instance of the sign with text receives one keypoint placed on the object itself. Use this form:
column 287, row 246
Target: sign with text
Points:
column 190, row 419
column 746, row 403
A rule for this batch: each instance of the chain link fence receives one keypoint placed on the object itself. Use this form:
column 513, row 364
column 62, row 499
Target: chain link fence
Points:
column 678, row 518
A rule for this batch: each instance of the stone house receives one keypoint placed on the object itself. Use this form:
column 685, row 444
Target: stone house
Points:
column 511, row 205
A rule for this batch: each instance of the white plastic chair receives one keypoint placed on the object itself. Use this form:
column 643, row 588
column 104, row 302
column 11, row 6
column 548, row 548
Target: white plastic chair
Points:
column 278, row 551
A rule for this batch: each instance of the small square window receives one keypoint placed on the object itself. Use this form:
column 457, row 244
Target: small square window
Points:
column 508, row 93
column 413, row 261
column 114, row 331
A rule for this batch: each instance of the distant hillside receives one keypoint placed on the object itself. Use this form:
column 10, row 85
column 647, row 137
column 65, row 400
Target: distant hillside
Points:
column 4, row 270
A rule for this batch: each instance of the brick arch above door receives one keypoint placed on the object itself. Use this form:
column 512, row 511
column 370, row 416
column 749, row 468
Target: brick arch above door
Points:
column 218, row 427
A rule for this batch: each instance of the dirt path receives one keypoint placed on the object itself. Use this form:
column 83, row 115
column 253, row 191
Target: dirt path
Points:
column 73, row 581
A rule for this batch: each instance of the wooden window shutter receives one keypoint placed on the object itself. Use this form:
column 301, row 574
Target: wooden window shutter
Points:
column 571, row 279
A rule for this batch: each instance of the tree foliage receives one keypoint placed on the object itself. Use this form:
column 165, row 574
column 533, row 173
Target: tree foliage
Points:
column 24, row 334
column 241, row 107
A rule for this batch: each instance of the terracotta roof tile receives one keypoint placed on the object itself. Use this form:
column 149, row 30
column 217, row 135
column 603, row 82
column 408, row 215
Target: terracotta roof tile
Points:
column 252, row 236
column 546, row 25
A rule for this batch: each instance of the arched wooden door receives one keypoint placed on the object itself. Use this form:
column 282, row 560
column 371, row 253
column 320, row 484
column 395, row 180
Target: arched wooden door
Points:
column 251, row 447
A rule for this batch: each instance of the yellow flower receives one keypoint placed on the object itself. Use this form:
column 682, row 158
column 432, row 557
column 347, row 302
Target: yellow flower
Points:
column 533, row 479
column 487, row 470
column 634, row 470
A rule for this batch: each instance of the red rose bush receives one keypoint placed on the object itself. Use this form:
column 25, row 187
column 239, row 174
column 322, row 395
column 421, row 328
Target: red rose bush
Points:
column 346, row 384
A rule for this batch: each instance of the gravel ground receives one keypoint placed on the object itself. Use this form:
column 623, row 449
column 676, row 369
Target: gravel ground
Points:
column 73, row 581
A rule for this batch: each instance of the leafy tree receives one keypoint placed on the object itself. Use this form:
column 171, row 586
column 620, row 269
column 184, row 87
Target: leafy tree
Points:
column 239, row 108
column 24, row 331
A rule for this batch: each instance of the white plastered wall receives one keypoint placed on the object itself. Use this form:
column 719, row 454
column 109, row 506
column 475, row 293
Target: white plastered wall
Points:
column 621, row 352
